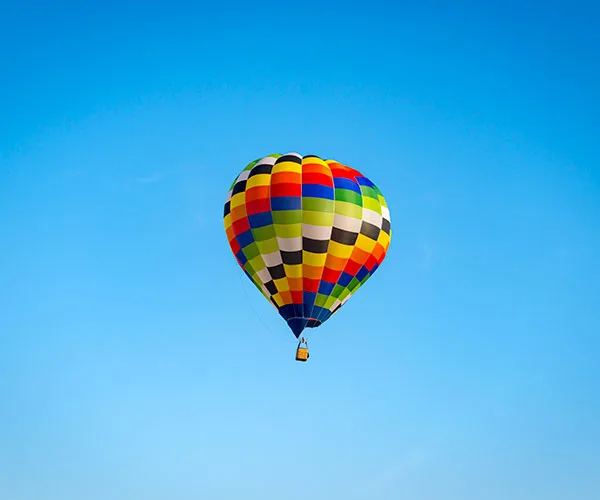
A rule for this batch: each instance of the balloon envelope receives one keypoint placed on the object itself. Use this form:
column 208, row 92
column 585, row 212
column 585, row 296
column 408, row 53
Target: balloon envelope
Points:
column 307, row 232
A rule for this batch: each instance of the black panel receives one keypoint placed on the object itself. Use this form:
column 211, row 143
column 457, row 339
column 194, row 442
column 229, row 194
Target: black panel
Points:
column 292, row 258
column 261, row 169
column 277, row 272
column 227, row 209
column 293, row 158
column 240, row 187
column 343, row 237
column 370, row 230
column 315, row 246
column 271, row 287
column 386, row 226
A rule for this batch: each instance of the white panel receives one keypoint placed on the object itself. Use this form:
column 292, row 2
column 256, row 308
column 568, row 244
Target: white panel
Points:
column 290, row 244
column 316, row 232
column 272, row 259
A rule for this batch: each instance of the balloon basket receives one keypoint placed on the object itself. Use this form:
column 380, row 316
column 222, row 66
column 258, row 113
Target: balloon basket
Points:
column 302, row 351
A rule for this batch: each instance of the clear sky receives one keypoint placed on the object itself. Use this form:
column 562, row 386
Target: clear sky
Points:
column 136, row 359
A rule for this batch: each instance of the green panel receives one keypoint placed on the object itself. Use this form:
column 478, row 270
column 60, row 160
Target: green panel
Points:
column 337, row 291
column 353, row 284
column 321, row 299
column 287, row 217
column 318, row 218
column 268, row 246
column 258, row 263
column 369, row 192
column 329, row 303
column 348, row 195
column 263, row 233
column 372, row 204
column 251, row 251
column 288, row 230
column 348, row 209
column 317, row 205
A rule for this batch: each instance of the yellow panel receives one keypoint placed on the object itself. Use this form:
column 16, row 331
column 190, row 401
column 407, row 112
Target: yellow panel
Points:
column 238, row 200
column 365, row 243
column 227, row 221
column 258, row 180
column 339, row 250
column 384, row 239
column 287, row 166
column 315, row 160
column 314, row 259
column 282, row 285
column 294, row 271
column 278, row 300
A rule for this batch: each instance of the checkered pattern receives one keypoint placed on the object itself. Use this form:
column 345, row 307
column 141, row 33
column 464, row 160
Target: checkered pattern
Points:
column 308, row 233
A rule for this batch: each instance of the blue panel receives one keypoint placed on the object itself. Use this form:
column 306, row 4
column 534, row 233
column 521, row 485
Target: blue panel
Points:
column 298, row 310
column 343, row 183
column 345, row 279
column 260, row 220
column 319, row 313
column 287, row 311
column 309, row 301
column 297, row 325
column 241, row 257
column 326, row 315
column 363, row 181
column 286, row 203
column 326, row 288
column 362, row 273
column 245, row 238
column 317, row 191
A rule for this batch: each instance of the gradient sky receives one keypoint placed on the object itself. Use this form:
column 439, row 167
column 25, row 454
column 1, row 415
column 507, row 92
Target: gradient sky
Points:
column 137, row 361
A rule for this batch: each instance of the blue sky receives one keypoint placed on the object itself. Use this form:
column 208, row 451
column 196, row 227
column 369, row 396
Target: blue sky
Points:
column 136, row 361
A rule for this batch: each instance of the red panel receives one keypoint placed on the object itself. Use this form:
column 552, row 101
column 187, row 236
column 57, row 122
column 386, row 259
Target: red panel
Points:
column 286, row 189
column 342, row 172
column 297, row 297
column 352, row 267
column 235, row 246
column 311, row 285
column 241, row 226
column 356, row 173
column 258, row 206
column 371, row 261
column 317, row 178
column 331, row 276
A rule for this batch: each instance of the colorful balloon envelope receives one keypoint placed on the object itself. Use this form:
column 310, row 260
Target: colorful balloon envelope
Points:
column 307, row 232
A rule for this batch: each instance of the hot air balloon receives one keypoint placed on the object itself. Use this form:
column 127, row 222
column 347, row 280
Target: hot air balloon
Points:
column 308, row 233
